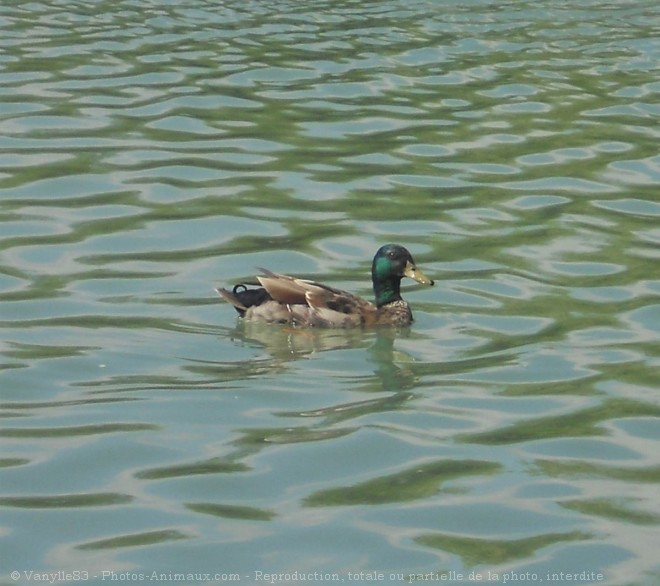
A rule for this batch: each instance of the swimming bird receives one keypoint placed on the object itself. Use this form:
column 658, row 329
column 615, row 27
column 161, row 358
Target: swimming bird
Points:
column 284, row 299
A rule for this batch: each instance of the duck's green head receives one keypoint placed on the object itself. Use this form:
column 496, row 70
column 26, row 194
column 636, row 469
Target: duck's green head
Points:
column 391, row 263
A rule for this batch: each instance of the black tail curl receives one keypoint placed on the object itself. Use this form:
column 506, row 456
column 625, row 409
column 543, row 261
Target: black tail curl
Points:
column 250, row 297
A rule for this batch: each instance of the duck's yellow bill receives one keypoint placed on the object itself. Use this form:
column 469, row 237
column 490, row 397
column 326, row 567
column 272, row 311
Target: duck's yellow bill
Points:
column 412, row 272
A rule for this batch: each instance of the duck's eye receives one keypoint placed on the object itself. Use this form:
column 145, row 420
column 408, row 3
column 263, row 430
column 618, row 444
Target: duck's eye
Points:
column 391, row 254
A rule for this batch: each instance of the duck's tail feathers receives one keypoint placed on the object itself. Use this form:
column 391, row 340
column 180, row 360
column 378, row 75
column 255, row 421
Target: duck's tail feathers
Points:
column 243, row 298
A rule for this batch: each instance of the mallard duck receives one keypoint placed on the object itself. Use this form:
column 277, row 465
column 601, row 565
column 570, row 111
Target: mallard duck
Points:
column 284, row 299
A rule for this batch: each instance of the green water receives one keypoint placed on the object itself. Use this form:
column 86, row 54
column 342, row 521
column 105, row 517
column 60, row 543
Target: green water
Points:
column 150, row 151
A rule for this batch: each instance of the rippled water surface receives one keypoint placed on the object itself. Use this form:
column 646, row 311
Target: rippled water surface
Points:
column 150, row 151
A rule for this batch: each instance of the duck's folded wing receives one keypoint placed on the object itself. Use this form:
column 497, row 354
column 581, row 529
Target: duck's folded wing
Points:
column 337, row 307
column 329, row 306
column 294, row 291
column 282, row 288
